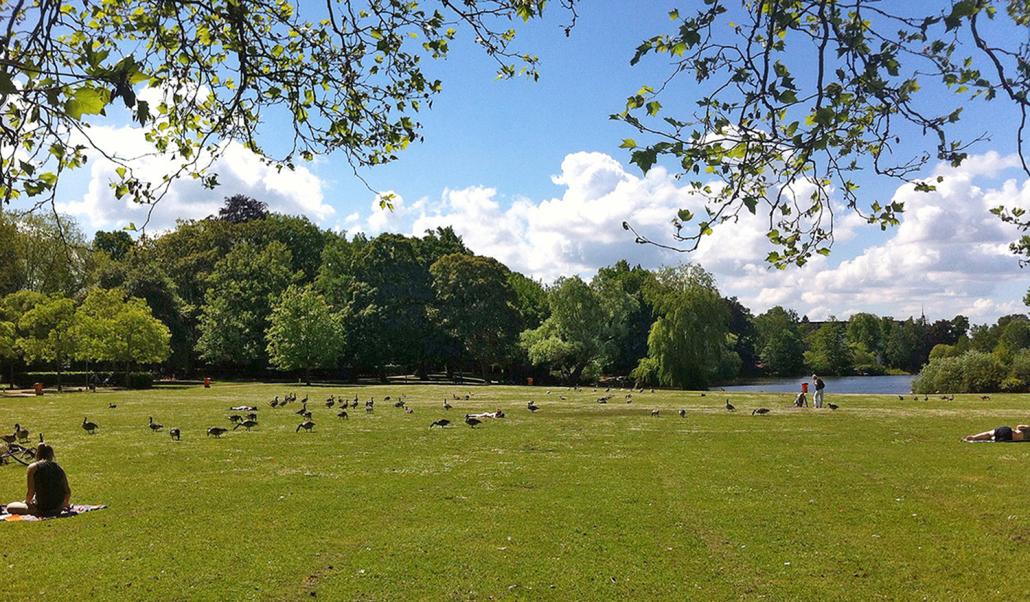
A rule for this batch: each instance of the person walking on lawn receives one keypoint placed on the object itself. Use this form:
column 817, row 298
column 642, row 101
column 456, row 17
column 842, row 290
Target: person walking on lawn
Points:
column 817, row 399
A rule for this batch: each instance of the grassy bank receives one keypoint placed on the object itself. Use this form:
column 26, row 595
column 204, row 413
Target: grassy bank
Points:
column 878, row 499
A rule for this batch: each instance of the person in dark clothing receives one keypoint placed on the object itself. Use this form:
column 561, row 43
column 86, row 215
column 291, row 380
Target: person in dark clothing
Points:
column 817, row 399
column 47, row 491
column 1002, row 434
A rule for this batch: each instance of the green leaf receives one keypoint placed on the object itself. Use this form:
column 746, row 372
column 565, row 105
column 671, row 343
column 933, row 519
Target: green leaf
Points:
column 628, row 143
column 87, row 101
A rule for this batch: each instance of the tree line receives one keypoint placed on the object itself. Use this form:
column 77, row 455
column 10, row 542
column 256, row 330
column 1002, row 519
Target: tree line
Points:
column 248, row 293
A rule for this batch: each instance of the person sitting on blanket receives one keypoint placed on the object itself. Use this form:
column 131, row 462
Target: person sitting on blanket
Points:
column 1002, row 433
column 47, row 490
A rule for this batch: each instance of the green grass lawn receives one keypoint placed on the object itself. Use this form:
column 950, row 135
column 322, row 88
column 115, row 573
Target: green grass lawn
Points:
column 580, row 501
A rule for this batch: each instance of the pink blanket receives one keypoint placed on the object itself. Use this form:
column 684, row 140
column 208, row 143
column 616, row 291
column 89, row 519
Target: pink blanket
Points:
column 75, row 510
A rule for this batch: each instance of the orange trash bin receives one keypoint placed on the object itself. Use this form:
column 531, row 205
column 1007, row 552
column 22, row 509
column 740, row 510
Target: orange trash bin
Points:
column 39, row 388
column 207, row 382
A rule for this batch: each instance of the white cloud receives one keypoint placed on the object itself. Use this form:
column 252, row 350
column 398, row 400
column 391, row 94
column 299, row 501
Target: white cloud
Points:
column 240, row 171
column 949, row 255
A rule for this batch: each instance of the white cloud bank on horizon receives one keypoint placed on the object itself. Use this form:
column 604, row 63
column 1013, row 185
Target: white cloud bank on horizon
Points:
column 949, row 255
column 239, row 170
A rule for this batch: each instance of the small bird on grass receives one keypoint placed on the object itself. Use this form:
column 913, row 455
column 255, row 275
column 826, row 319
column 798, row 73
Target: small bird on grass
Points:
column 472, row 422
column 532, row 407
column 832, row 406
column 89, row 427
column 307, row 425
column 175, row 434
column 655, row 412
column 155, row 426
column 729, row 406
column 342, row 414
column 683, row 413
column 112, row 406
column 216, row 431
column 760, row 411
column 443, row 422
column 446, row 405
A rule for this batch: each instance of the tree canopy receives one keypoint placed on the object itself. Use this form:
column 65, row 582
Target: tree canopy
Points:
column 797, row 97
column 197, row 75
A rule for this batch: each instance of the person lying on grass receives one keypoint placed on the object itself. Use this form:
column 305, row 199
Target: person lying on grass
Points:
column 1002, row 433
column 47, row 491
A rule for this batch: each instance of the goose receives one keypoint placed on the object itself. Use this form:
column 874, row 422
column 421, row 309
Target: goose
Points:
column 21, row 433
column 174, row 434
column 683, row 413
column 602, row 400
column 985, row 397
column 89, row 427
column 155, row 426
column 443, row 422
column 532, row 407
column 563, row 398
column 243, row 409
column 252, row 416
column 275, row 402
column 901, row 398
column 655, row 412
column 446, row 405
column 387, row 398
column 247, row 424
column 408, row 410
column 216, row 431
column 307, row 425
column 303, row 408
column 354, row 403
column 235, row 418
column 342, row 414
column 303, row 401
column 397, row 404
column 729, row 406
column 832, row 406
column 472, row 422
column 307, row 415
column 9, row 439
column 112, row 406
column 329, row 403
column 703, row 395
column 760, row 411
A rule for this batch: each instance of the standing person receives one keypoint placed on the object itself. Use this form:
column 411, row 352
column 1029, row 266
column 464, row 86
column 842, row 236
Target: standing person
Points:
column 817, row 399
column 47, row 491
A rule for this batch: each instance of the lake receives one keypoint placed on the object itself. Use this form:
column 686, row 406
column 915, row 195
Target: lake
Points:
column 897, row 385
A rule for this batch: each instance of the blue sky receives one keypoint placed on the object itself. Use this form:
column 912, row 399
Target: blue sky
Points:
column 531, row 173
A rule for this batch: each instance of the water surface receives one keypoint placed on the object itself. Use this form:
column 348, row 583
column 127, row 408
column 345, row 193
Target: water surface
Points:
column 897, row 385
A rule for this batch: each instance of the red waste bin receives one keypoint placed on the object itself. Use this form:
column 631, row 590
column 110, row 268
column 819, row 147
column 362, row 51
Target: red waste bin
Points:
column 207, row 382
column 39, row 388
column 804, row 388
column 529, row 381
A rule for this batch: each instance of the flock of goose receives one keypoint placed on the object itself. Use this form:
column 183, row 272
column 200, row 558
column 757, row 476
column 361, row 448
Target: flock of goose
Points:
column 246, row 416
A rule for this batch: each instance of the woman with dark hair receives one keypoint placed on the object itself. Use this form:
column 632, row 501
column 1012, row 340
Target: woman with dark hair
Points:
column 1002, row 434
column 47, row 492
